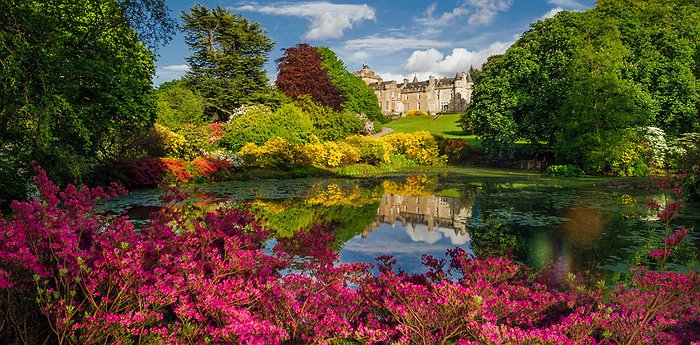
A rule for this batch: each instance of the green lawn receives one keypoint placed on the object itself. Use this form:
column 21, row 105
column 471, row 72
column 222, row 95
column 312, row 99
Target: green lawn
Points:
column 447, row 125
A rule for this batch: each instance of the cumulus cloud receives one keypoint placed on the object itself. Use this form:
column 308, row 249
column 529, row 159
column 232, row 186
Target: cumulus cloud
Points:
column 167, row 73
column 328, row 20
column 553, row 12
column 432, row 61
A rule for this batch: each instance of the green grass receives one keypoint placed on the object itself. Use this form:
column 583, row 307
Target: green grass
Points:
column 447, row 125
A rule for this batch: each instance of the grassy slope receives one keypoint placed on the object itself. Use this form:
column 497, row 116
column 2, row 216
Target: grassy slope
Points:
column 446, row 125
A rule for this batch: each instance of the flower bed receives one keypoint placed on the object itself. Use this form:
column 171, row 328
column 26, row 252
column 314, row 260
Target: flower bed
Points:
column 209, row 279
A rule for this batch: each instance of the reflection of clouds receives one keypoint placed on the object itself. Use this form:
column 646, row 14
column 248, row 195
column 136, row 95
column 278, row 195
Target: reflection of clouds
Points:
column 388, row 239
column 420, row 233
column 391, row 247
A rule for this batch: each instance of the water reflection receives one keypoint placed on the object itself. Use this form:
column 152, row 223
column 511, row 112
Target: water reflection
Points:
column 536, row 223
column 409, row 226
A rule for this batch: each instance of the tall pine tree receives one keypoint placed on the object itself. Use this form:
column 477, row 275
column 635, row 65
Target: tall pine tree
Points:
column 228, row 54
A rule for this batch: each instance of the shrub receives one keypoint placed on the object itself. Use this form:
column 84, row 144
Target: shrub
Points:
column 339, row 154
column 275, row 153
column 373, row 151
column 328, row 123
column 564, row 171
column 455, row 150
column 419, row 146
column 416, row 112
column 258, row 125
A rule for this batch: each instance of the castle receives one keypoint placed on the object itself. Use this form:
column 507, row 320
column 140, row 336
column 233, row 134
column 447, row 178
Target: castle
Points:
column 444, row 95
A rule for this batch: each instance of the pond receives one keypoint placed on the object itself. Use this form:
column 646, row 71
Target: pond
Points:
column 534, row 219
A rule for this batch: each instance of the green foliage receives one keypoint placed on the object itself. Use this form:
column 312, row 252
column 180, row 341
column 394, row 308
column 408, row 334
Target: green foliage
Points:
column 576, row 82
column 328, row 123
column 228, row 54
column 359, row 98
column 177, row 105
column 76, row 81
column 373, row 151
column 259, row 125
column 566, row 170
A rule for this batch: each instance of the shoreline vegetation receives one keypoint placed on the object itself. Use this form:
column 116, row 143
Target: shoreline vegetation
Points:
column 610, row 91
column 208, row 278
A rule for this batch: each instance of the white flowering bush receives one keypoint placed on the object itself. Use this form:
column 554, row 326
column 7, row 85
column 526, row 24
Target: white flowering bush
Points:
column 656, row 138
column 235, row 160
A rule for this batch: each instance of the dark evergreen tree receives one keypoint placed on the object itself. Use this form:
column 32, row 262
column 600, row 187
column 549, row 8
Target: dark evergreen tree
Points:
column 228, row 56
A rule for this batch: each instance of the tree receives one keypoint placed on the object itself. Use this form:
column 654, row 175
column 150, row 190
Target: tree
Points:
column 76, row 81
column 576, row 82
column 178, row 105
column 328, row 123
column 601, row 105
column 228, row 54
column 301, row 72
column 359, row 98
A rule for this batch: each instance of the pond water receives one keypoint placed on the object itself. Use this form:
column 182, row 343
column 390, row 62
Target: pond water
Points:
column 536, row 220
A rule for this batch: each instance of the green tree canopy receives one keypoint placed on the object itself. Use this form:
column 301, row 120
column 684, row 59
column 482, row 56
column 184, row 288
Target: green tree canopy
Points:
column 178, row 105
column 575, row 82
column 359, row 98
column 76, row 79
column 228, row 55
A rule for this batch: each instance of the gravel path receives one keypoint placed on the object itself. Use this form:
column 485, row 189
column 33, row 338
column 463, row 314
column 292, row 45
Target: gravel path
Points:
column 384, row 131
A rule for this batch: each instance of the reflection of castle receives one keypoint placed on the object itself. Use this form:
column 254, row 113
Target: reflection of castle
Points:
column 422, row 215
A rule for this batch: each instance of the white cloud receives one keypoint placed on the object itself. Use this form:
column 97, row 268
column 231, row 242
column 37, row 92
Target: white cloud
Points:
column 568, row 4
column 553, row 12
column 389, row 44
column 167, row 73
column 176, row 68
column 486, row 10
column 478, row 12
column 327, row 20
column 434, row 62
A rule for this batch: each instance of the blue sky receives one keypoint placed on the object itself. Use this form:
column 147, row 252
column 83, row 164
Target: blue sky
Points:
column 396, row 39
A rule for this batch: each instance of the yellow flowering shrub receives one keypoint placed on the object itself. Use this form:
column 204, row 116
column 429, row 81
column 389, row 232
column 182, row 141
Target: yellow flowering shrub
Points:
column 276, row 152
column 416, row 112
column 339, row 154
column 316, row 152
column 372, row 150
column 419, row 146
column 172, row 144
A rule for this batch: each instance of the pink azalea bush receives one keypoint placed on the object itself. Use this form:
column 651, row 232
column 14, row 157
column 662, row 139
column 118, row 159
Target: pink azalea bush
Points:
column 214, row 280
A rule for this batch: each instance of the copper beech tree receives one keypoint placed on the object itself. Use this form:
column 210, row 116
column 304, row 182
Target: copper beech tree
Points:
column 301, row 72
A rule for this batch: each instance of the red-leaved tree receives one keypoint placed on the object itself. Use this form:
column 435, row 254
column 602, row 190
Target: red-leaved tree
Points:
column 300, row 72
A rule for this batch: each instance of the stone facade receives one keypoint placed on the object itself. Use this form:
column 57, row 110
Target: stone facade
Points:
column 444, row 95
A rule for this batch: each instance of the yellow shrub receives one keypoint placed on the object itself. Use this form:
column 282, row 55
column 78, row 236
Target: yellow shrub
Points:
column 419, row 146
column 339, row 154
column 173, row 144
column 276, row 152
column 249, row 153
column 372, row 150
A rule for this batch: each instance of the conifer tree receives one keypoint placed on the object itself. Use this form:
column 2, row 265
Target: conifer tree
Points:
column 228, row 54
